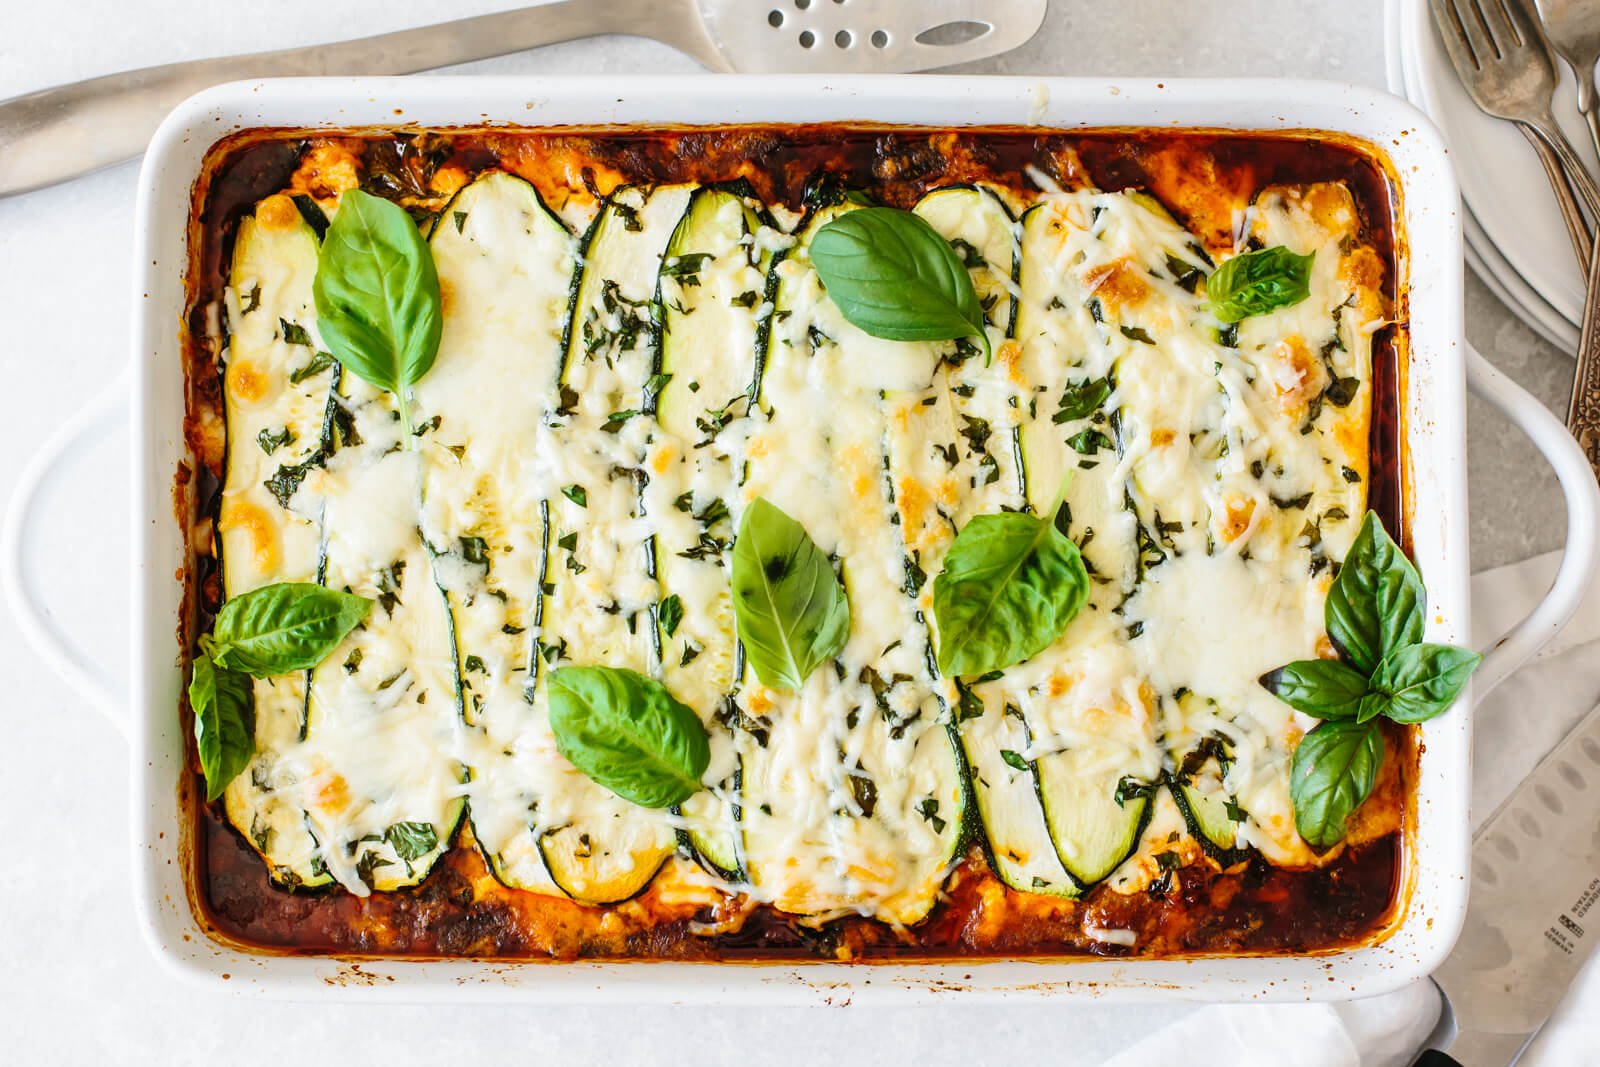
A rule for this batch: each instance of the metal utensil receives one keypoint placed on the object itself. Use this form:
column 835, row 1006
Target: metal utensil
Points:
column 1573, row 29
column 56, row 134
column 1535, row 909
column 1583, row 410
column 1503, row 60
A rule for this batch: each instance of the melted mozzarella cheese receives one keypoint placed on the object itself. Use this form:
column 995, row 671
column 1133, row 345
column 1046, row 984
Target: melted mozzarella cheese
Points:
column 600, row 589
column 275, row 423
column 506, row 265
column 712, row 288
column 575, row 503
column 954, row 452
column 852, row 795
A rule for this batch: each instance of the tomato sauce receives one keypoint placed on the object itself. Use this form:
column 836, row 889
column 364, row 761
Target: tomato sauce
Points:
column 460, row 910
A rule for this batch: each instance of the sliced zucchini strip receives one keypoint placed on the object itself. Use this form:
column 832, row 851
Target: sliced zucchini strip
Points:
column 275, row 395
column 1092, row 721
column 1285, row 493
column 952, row 455
column 711, row 290
column 852, row 798
column 600, row 574
column 377, row 769
column 1202, row 752
column 1311, row 365
column 506, row 265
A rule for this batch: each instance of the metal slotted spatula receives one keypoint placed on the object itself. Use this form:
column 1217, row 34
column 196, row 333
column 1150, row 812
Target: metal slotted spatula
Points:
column 56, row 134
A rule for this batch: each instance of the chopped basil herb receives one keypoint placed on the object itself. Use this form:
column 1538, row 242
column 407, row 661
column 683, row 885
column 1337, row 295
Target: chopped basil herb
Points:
column 1090, row 441
column 320, row 361
column 670, row 613
column 270, row 442
column 475, row 550
column 293, row 333
column 283, row 484
column 686, row 267
column 616, row 420
column 412, row 840
column 1079, row 400
column 713, row 512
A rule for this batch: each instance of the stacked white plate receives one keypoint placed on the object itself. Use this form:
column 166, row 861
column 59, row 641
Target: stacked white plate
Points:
column 1516, row 241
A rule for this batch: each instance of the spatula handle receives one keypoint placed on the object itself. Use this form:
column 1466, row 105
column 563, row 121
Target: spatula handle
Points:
column 56, row 134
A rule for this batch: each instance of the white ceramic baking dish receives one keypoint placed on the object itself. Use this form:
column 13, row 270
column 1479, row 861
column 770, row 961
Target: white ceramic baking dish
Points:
column 1439, row 367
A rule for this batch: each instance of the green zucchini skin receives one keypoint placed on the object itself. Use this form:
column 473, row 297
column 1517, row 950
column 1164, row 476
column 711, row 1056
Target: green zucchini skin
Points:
column 709, row 293
column 1001, row 802
column 1057, row 320
column 1087, row 835
column 487, row 549
column 1069, row 829
column 1205, row 812
column 602, row 849
column 376, row 683
column 274, row 262
column 789, row 809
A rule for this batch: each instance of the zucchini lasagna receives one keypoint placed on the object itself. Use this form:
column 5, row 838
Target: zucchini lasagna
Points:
column 636, row 345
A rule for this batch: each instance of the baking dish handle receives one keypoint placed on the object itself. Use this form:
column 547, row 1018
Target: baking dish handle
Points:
column 1582, row 552
column 39, row 625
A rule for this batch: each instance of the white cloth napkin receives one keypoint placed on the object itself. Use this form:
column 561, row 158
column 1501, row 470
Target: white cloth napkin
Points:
column 1514, row 727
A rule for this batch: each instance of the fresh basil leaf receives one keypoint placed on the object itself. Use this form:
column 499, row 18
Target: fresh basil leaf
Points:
column 1335, row 768
column 893, row 276
column 377, row 295
column 1325, row 688
column 1013, row 759
column 1256, row 283
column 789, row 607
column 1010, row 585
column 1377, row 603
column 412, row 840
column 627, row 733
column 277, row 629
column 224, row 723
column 1421, row 681
column 1372, row 705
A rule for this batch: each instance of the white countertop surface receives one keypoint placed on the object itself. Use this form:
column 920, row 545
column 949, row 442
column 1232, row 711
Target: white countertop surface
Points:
column 77, row 985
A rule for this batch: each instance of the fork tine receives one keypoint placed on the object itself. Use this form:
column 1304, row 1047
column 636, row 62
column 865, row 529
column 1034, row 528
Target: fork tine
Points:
column 1502, row 23
column 1525, row 19
column 1474, row 14
column 1464, row 47
column 1522, row 23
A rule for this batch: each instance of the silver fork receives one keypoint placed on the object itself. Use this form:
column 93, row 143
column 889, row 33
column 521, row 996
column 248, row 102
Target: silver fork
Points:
column 1573, row 29
column 1502, row 58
